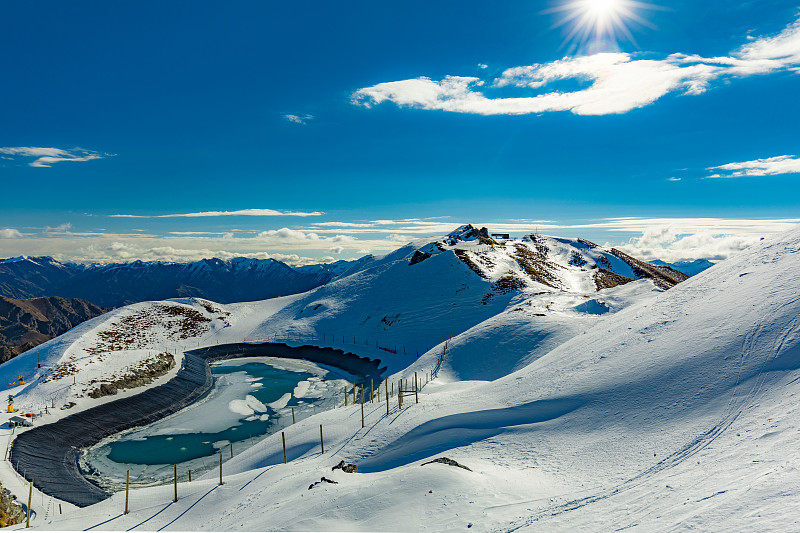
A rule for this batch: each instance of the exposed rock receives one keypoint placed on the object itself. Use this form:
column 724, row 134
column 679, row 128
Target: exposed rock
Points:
column 10, row 512
column 418, row 257
column 605, row 279
column 348, row 468
column 463, row 255
column 664, row 277
column 323, row 479
column 447, row 461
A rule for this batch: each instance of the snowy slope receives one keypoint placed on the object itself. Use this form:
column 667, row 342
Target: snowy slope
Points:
column 654, row 411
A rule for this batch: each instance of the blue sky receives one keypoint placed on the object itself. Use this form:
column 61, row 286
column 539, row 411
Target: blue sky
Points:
column 337, row 129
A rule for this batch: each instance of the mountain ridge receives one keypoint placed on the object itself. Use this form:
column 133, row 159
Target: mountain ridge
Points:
column 116, row 284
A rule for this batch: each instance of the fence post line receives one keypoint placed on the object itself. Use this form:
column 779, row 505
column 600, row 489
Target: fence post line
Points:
column 416, row 389
column 127, row 486
column 321, row 442
column 30, row 494
column 175, row 481
column 283, row 438
column 220, row 468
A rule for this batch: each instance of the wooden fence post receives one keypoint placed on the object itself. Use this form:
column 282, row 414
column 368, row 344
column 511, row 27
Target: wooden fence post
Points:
column 416, row 389
column 292, row 415
column 220, row 468
column 127, row 486
column 362, row 405
column 400, row 394
column 321, row 442
column 30, row 494
column 283, row 437
column 175, row 481
column 190, row 476
column 386, row 386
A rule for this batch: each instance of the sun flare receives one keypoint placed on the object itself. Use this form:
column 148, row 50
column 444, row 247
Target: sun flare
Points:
column 593, row 21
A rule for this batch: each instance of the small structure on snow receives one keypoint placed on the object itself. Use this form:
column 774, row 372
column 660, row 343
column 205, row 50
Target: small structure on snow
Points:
column 20, row 421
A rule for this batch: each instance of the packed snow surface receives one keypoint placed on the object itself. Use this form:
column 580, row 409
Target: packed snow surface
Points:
column 672, row 410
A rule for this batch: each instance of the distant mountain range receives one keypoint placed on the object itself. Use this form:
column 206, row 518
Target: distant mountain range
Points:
column 690, row 268
column 236, row 280
column 25, row 324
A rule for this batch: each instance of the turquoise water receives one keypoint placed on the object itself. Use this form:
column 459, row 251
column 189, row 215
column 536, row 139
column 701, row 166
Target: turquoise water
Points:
column 174, row 449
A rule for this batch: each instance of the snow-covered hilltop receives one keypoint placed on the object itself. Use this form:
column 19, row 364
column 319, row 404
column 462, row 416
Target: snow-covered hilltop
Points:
column 580, row 393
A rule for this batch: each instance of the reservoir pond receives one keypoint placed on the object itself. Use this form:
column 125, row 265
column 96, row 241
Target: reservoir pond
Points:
column 251, row 398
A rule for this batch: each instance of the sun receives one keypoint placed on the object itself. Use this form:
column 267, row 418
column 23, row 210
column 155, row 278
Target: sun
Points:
column 601, row 21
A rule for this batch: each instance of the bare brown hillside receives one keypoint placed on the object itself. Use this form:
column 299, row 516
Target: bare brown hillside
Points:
column 26, row 323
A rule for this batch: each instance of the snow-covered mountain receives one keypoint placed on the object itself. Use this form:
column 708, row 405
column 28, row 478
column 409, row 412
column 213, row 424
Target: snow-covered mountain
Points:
column 690, row 268
column 519, row 297
column 581, row 394
column 238, row 279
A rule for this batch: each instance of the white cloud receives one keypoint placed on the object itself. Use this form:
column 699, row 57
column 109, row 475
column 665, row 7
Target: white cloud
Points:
column 673, row 179
column 771, row 166
column 483, row 66
column 45, row 157
column 399, row 238
column 288, row 235
column 666, row 244
column 298, row 119
column 10, row 233
column 618, row 82
column 240, row 212
column 336, row 250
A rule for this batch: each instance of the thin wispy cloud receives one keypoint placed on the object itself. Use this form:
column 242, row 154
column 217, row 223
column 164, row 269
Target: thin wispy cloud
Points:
column 46, row 157
column 240, row 212
column 619, row 81
column 771, row 166
column 298, row 119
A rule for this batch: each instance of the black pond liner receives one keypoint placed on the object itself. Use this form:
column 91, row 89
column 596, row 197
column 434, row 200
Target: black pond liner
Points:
column 48, row 455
